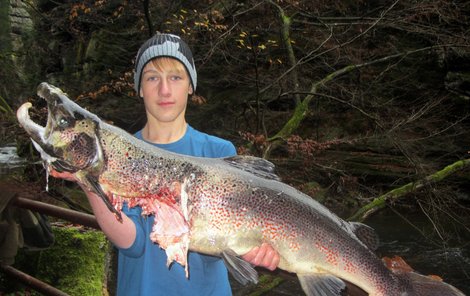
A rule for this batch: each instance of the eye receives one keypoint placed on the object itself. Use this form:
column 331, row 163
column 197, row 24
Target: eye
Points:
column 63, row 122
column 176, row 77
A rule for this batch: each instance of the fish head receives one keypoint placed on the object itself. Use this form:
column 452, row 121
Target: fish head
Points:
column 69, row 141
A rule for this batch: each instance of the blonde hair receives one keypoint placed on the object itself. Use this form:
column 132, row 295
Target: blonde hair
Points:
column 165, row 63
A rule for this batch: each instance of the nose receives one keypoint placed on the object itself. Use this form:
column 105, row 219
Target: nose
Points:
column 164, row 88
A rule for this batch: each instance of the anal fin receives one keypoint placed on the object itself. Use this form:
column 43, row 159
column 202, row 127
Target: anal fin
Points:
column 321, row 284
column 240, row 269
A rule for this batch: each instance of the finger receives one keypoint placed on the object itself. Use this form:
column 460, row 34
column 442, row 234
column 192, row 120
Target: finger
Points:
column 260, row 255
column 274, row 260
column 250, row 256
column 268, row 257
column 54, row 173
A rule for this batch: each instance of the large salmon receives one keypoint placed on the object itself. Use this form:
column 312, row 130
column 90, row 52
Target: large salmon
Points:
column 222, row 207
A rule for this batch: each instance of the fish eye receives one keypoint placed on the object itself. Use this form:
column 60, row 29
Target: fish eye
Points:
column 63, row 122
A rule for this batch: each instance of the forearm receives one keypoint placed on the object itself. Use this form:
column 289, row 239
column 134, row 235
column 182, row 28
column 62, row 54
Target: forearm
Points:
column 121, row 234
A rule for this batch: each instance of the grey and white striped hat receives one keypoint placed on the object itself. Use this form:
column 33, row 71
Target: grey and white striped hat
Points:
column 164, row 45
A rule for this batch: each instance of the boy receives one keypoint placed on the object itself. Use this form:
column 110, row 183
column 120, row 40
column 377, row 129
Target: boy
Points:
column 164, row 77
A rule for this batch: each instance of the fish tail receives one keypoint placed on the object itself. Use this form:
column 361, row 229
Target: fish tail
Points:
column 430, row 285
column 417, row 284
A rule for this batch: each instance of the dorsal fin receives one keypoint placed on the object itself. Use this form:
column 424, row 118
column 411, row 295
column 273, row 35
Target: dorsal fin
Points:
column 365, row 234
column 255, row 165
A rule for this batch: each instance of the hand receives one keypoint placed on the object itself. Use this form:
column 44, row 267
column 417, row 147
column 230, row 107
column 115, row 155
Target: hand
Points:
column 264, row 256
column 64, row 175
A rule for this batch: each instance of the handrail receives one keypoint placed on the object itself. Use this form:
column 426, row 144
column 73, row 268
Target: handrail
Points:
column 33, row 282
column 51, row 210
column 58, row 212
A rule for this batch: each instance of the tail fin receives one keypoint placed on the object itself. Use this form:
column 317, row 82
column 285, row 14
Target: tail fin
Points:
column 430, row 286
column 420, row 284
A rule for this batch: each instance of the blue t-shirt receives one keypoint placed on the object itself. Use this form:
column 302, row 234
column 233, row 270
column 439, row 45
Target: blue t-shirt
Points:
column 142, row 267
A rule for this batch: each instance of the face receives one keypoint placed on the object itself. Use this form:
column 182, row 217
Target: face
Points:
column 165, row 86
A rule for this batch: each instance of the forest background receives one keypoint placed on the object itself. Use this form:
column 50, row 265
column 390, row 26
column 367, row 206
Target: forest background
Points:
column 358, row 103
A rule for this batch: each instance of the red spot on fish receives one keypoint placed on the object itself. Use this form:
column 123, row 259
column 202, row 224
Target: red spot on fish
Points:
column 350, row 267
column 331, row 255
column 294, row 246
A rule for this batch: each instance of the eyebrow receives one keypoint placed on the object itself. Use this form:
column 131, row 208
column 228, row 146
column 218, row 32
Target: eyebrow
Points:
column 150, row 70
column 175, row 71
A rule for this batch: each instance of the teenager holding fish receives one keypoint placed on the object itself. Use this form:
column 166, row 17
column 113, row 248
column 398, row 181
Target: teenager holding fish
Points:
column 165, row 76
column 225, row 207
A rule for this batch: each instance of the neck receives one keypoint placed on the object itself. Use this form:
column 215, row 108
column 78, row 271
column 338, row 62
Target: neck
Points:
column 164, row 133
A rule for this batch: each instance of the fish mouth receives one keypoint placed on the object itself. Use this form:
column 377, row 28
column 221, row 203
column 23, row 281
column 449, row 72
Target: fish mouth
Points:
column 36, row 132
column 58, row 142
column 39, row 134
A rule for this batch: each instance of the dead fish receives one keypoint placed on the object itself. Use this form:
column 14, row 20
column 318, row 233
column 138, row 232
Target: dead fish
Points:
column 222, row 207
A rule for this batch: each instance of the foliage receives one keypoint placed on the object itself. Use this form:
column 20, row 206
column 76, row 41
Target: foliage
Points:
column 369, row 91
column 5, row 107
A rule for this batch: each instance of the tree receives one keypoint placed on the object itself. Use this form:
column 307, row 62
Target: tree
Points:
column 370, row 91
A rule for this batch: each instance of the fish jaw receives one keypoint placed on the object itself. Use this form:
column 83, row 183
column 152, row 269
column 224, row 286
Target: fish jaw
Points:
column 34, row 130
column 69, row 141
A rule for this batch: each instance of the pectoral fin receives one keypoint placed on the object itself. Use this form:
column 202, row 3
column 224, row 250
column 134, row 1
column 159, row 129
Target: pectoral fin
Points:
column 96, row 187
column 241, row 270
column 321, row 284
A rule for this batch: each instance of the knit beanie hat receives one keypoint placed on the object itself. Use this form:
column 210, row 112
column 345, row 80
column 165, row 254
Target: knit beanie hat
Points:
column 164, row 45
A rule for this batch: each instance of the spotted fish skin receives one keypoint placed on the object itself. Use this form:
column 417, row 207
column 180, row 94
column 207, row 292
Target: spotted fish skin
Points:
column 223, row 207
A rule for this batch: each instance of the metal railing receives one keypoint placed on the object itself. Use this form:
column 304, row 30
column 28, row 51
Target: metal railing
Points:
column 50, row 210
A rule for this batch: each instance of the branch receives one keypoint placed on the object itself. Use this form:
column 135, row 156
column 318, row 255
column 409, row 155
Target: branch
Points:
column 285, row 35
column 301, row 109
column 397, row 193
column 148, row 18
column 307, row 58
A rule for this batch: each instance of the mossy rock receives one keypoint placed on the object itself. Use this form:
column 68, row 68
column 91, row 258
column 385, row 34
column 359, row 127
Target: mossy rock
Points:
column 75, row 264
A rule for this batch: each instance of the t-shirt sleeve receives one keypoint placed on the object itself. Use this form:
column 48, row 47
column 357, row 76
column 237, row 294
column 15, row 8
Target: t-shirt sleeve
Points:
column 227, row 149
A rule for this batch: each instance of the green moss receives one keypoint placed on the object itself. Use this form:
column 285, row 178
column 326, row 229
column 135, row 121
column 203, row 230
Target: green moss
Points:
column 75, row 264
column 266, row 283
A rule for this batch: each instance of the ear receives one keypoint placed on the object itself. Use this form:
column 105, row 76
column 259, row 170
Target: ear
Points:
column 190, row 89
column 141, row 93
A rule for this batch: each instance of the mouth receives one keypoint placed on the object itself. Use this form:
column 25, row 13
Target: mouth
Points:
column 40, row 134
column 36, row 132
column 54, row 140
column 56, row 100
column 165, row 104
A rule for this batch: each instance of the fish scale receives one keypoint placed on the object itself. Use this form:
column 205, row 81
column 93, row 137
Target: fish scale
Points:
column 222, row 207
